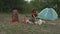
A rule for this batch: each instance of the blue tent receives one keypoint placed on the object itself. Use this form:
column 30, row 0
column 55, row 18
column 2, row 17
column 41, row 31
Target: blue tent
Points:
column 48, row 14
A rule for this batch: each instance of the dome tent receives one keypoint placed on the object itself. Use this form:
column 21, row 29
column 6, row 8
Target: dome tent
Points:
column 48, row 14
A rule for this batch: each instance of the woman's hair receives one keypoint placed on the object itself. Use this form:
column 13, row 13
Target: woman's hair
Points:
column 15, row 10
column 33, row 10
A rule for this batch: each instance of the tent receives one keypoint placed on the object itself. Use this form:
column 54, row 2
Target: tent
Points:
column 48, row 14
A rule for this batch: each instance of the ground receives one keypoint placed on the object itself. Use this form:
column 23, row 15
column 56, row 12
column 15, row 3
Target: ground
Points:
column 50, row 27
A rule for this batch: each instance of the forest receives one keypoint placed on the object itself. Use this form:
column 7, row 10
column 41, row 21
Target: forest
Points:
column 26, row 7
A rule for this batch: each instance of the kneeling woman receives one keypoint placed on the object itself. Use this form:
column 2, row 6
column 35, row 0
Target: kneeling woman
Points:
column 15, row 16
column 34, row 14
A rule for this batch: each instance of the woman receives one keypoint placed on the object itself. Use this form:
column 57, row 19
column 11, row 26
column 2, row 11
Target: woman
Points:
column 15, row 17
column 34, row 15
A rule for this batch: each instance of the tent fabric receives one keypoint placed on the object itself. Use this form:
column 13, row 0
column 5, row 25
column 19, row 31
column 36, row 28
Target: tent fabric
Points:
column 48, row 14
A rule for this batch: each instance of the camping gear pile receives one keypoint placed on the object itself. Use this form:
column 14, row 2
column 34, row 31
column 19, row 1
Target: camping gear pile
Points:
column 45, row 14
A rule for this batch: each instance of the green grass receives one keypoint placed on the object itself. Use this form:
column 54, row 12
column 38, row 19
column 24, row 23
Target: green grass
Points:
column 7, row 28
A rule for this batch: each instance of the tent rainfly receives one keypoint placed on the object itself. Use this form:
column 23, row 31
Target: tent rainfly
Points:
column 48, row 14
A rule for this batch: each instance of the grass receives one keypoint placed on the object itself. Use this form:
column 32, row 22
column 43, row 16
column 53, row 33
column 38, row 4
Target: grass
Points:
column 7, row 28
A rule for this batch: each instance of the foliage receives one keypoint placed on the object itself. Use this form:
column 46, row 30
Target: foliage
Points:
column 24, row 7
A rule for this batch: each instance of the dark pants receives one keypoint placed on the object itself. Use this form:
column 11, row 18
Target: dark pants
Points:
column 33, row 19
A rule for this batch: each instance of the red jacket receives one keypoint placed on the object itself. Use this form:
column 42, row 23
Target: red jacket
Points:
column 14, row 19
